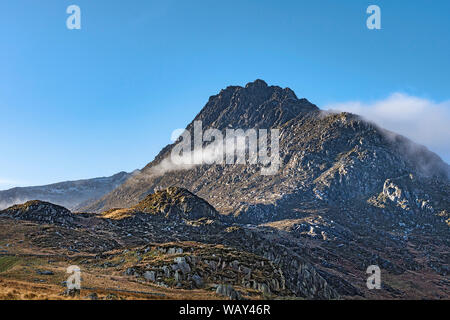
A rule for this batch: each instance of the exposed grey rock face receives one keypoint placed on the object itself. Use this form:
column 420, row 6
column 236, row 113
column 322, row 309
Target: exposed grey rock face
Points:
column 150, row 275
column 69, row 194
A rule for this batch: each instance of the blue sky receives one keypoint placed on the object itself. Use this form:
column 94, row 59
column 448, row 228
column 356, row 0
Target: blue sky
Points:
column 91, row 102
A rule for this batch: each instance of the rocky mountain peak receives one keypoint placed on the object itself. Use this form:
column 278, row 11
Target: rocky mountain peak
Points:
column 255, row 105
column 258, row 83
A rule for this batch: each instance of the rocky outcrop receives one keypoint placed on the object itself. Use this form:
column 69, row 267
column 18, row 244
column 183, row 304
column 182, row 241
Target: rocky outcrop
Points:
column 177, row 203
column 40, row 211
column 203, row 266
column 173, row 203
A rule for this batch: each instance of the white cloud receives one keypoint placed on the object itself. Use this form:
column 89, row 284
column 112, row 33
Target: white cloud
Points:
column 423, row 121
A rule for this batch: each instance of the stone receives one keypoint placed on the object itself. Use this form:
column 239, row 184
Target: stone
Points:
column 45, row 272
column 228, row 291
column 198, row 281
column 92, row 296
column 178, row 277
column 166, row 271
column 182, row 265
column 71, row 292
column 150, row 275
column 129, row 271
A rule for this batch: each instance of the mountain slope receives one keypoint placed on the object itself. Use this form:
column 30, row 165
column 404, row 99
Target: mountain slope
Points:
column 70, row 194
column 327, row 159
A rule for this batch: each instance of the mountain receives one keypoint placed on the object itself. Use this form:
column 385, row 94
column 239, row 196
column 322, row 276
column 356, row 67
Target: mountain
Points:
column 70, row 194
column 348, row 195
column 327, row 159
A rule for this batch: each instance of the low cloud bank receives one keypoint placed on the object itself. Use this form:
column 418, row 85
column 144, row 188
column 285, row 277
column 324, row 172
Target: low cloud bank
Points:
column 424, row 121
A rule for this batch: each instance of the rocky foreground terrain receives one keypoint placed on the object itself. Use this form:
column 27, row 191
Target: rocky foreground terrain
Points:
column 348, row 195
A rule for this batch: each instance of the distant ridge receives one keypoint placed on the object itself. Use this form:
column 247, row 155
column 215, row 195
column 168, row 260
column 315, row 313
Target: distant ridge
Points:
column 69, row 194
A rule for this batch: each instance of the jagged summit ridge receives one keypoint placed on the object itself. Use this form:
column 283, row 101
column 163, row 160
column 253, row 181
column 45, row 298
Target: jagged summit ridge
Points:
column 255, row 105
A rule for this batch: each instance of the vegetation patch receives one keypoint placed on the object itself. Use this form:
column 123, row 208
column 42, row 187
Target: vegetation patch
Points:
column 7, row 262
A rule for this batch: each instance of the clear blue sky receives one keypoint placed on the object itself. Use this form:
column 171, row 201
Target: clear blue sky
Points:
column 92, row 102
